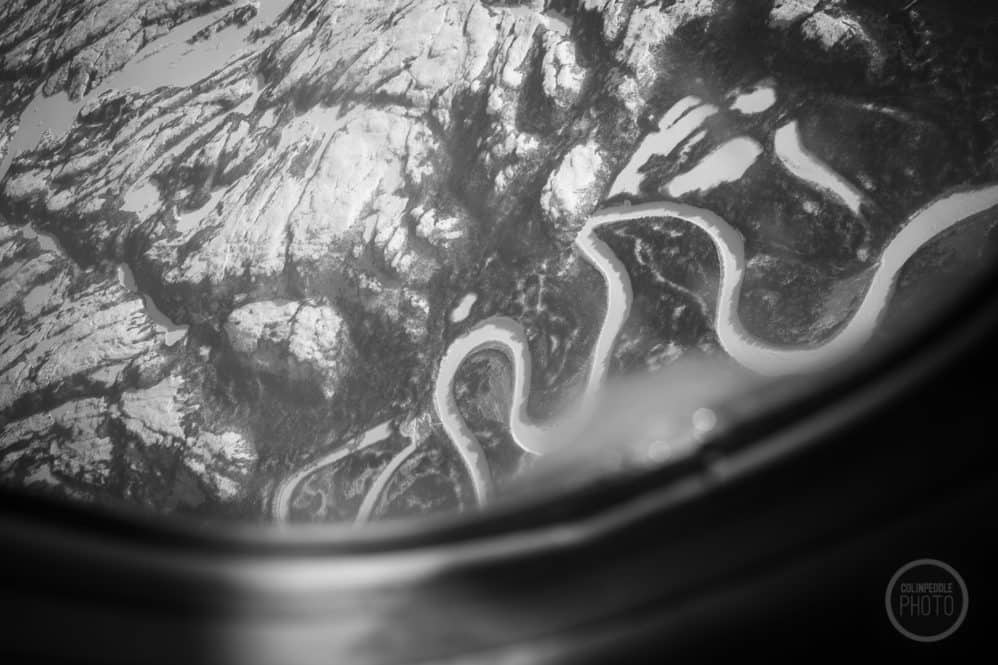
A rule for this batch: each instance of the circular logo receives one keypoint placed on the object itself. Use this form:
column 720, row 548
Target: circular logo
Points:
column 926, row 600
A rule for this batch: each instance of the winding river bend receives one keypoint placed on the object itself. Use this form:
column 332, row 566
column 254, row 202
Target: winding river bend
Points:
column 681, row 124
column 280, row 505
column 508, row 336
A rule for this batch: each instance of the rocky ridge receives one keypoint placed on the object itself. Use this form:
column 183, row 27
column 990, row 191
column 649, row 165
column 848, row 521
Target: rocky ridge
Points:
column 95, row 404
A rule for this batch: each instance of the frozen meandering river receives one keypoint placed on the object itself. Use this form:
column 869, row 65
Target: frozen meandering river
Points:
column 509, row 337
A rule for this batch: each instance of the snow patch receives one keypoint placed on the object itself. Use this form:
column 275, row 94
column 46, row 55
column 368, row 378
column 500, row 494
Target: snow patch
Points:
column 755, row 101
column 681, row 121
column 463, row 309
column 176, row 63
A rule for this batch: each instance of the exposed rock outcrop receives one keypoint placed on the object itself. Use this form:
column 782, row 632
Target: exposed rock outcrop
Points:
column 293, row 340
column 575, row 187
column 93, row 403
column 64, row 328
column 77, row 45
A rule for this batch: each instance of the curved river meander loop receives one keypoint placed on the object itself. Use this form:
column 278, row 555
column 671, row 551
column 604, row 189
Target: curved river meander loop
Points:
column 508, row 336
column 503, row 334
